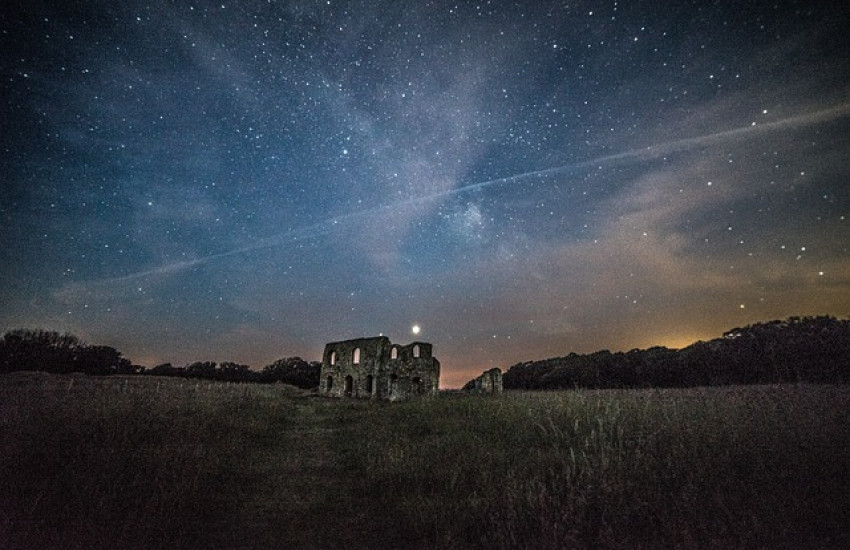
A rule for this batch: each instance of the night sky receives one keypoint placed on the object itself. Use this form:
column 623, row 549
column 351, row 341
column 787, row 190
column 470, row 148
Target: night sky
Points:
column 244, row 181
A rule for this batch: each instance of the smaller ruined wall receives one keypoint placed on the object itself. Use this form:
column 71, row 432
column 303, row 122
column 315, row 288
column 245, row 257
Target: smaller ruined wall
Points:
column 489, row 381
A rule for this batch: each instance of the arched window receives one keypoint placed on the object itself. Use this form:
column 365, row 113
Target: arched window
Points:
column 356, row 358
column 416, row 350
column 416, row 385
column 349, row 386
column 333, row 358
column 394, row 353
column 370, row 384
column 330, row 383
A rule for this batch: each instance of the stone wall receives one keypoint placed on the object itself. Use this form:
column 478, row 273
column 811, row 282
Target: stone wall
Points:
column 375, row 368
column 490, row 381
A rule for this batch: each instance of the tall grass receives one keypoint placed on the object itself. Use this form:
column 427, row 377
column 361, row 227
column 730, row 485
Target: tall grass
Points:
column 144, row 462
column 125, row 462
column 732, row 467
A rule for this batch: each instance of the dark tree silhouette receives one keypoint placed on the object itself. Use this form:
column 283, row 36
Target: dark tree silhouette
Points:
column 48, row 351
column 294, row 371
column 799, row 349
column 201, row 369
column 166, row 369
column 104, row 360
column 234, row 372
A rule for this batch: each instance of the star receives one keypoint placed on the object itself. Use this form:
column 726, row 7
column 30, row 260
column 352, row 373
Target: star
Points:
column 322, row 173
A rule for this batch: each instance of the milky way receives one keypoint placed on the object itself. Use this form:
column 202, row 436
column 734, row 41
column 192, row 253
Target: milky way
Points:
column 247, row 181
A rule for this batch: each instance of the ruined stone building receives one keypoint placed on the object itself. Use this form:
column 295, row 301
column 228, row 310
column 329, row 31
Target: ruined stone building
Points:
column 490, row 381
column 375, row 368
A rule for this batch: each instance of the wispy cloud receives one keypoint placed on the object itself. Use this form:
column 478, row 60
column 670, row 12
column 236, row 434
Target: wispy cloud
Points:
column 386, row 224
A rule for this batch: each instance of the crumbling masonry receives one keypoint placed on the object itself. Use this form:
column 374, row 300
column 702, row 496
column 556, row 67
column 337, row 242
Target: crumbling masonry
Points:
column 490, row 381
column 375, row 368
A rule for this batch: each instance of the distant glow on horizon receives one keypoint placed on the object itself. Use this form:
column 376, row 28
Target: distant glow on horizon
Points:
column 680, row 342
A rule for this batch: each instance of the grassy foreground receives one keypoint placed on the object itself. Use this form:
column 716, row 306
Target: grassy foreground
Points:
column 140, row 462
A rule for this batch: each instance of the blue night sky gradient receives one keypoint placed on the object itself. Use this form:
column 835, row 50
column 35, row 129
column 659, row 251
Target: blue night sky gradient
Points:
column 249, row 180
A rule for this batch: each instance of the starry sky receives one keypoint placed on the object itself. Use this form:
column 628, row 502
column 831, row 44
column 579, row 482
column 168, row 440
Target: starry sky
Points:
column 244, row 181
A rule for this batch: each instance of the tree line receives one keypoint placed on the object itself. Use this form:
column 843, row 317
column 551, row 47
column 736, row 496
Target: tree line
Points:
column 798, row 349
column 41, row 350
column 289, row 370
column 54, row 352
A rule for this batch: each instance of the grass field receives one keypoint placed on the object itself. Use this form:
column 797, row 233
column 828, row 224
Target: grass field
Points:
column 142, row 462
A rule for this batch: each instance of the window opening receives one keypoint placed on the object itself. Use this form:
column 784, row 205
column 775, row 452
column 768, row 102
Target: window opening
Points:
column 356, row 358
